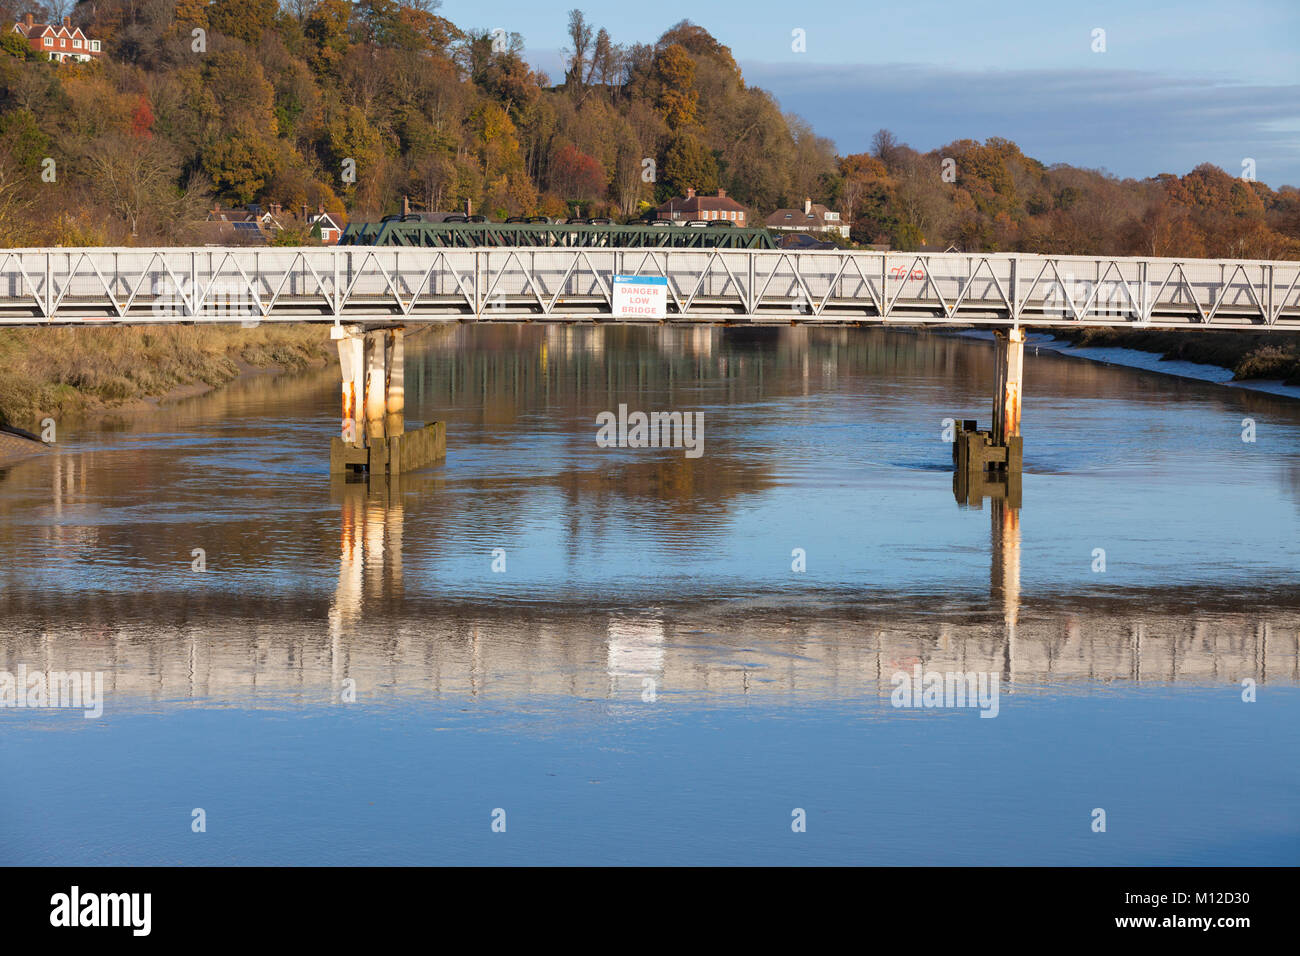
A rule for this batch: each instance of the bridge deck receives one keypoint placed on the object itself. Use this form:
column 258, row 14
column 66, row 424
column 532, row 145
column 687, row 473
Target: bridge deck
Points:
column 408, row 285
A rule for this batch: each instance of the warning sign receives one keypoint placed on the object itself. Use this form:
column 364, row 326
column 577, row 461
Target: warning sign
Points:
column 640, row 297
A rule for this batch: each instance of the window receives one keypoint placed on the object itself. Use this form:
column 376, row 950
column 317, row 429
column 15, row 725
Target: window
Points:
column 49, row 41
column 94, row 46
column 76, row 44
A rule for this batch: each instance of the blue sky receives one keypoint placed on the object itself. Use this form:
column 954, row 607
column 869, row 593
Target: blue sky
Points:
column 1179, row 83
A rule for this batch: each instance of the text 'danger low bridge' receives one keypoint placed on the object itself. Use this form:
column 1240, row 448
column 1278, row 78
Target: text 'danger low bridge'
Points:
column 409, row 285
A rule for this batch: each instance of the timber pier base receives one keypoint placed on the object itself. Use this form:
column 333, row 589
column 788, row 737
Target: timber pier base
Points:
column 983, row 469
column 978, row 451
column 392, row 455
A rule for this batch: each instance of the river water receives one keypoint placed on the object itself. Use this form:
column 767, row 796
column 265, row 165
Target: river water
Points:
column 632, row 655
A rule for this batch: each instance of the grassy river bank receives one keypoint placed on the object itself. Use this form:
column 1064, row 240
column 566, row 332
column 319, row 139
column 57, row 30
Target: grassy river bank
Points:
column 61, row 373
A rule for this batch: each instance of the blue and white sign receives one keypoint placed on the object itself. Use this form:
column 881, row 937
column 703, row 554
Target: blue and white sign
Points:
column 640, row 297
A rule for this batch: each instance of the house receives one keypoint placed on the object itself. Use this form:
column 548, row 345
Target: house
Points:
column 268, row 219
column 813, row 217
column 250, row 225
column 683, row 209
column 61, row 43
column 252, row 220
column 330, row 230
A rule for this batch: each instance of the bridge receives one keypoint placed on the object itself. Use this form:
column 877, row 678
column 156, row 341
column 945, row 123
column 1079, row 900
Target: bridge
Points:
column 754, row 286
column 371, row 294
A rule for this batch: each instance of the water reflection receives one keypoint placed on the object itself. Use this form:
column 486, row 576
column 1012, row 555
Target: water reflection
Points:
column 627, row 565
column 721, row 657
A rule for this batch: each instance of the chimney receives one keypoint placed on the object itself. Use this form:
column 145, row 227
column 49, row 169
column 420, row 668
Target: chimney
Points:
column 28, row 21
column 67, row 21
column 690, row 193
column 722, row 194
column 807, row 207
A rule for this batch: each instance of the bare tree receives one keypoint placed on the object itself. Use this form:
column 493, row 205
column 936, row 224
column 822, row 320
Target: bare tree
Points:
column 300, row 10
column 580, row 39
column 56, row 10
column 136, row 179
column 16, row 199
column 883, row 145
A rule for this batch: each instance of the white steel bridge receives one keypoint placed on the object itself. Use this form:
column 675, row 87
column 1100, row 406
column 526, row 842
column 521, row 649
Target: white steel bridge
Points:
column 402, row 286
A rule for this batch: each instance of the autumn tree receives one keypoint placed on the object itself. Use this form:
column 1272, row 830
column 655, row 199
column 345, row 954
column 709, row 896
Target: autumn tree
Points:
column 678, row 101
column 575, row 175
column 242, row 19
column 687, row 163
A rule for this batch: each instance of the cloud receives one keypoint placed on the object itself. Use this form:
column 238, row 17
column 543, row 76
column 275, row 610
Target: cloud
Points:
column 1130, row 122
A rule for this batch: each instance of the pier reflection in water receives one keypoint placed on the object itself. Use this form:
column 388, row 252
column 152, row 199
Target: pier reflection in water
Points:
column 648, row 602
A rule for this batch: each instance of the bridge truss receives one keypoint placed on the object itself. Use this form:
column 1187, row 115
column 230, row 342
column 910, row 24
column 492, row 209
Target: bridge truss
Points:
column 399, row 285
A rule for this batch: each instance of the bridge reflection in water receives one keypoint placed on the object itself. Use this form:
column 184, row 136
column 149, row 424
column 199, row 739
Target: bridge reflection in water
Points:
column 842, row 646
column 316, row 582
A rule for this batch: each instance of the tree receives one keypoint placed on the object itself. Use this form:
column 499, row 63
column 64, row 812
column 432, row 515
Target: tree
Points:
column 326, row 30
column 142, row 119
column 678, row 100
column 242, row 19
column 883, row 145
column 688, row 164
column 239, row 166
column 580, row 40
column 864, row 194
column 137, row 179
column 575, row 175
column 16, row 46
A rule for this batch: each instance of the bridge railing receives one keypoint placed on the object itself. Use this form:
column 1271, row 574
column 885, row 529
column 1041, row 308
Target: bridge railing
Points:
column 411, row 284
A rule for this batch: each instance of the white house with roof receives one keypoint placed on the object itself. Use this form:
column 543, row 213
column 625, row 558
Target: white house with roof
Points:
column 813, row 217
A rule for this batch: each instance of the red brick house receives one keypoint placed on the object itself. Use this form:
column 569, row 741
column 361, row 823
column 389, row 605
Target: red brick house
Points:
column 682, row 209
column 62, row 42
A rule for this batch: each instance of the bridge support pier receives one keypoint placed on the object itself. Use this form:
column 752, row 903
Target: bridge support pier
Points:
column 374, row 439
column 996, row 455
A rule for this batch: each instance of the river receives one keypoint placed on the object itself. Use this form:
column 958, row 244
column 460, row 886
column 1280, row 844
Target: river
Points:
column 631, row 655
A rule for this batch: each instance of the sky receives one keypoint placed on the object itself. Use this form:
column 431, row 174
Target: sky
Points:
column 1178, row 84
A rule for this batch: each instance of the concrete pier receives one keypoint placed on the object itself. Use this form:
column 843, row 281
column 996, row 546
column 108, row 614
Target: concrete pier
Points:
column 373, row 437
column 1010, row 364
